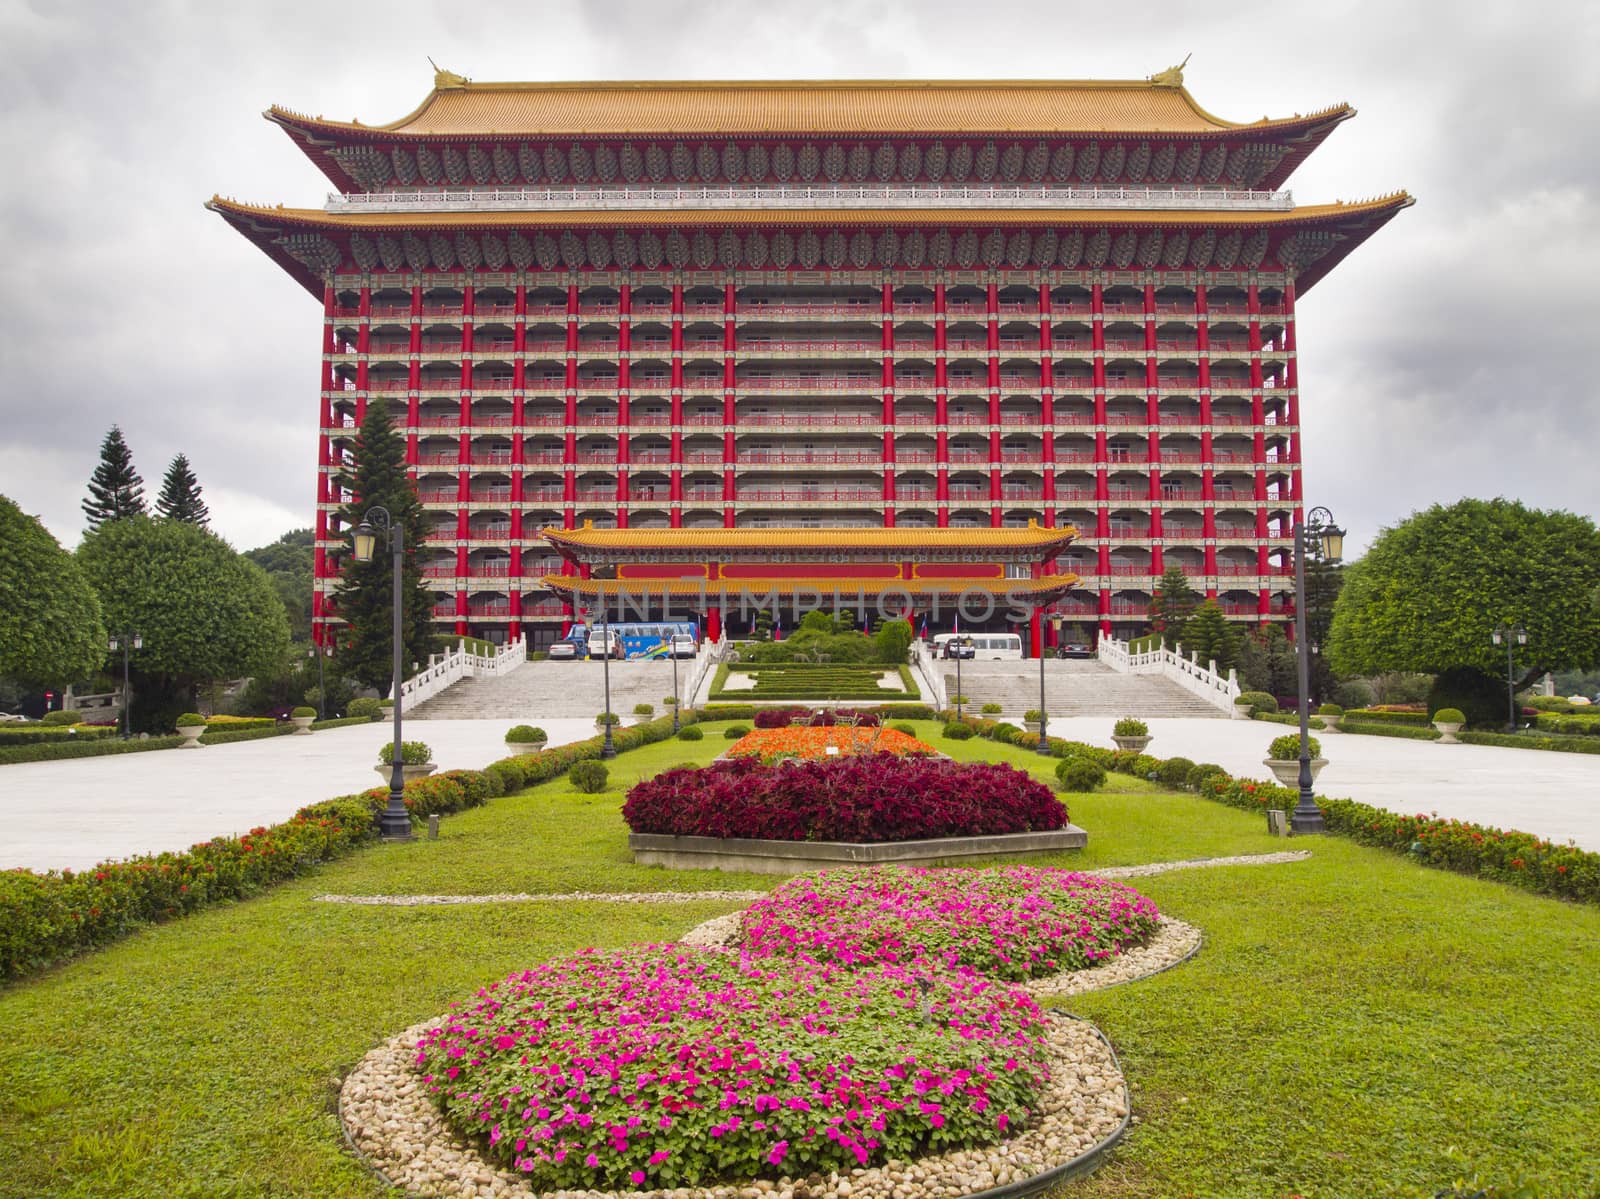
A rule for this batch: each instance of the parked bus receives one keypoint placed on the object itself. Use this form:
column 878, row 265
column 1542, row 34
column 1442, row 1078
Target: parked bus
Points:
column 635, row 639
column 991, row 646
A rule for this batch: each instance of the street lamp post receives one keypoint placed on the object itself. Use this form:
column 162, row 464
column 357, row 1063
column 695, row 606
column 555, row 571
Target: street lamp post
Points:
column 1044, row 717
column 677, row 700
column 1319, row 527
column 608, row 748
column 126, row 642
column 960, row 698
column 319, row 652
column 394, row 822
column 1511, row 636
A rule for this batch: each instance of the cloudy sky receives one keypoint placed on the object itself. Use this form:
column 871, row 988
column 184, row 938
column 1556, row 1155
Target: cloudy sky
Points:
column 1443, row 358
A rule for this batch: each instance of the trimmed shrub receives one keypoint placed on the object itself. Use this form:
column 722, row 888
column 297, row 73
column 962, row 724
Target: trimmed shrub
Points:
column 644, row 709
column 188, row 720
column 65, row 716
column 957, row 731
column 1287, row 748
column 1128, row 726
column 902, row 726
column 1450, row 716
column 366, row 706
column 527, row 734
column 436, row 795
column 1033, row 714
column 1257, row 701
column 1330, row 710
column 412, row 753
column 479, row 789
column 1386, row 716
column 691, row 733
column 508, row 776
column 668, row 701
column 1079, row 774
column 1199, row 773
column 734, row 731
column 605, row 718
column 589, row 776
column 302, row 711
column 1174, row 772
column 990, row 709
column 1354, row 693
column 1004, row 733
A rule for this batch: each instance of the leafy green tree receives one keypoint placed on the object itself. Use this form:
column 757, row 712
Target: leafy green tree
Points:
column 50, row 622
column 1175, row 601
column 892, row 640
column 1266, row 662
column 365, row 598
column 818, row 621
column 180, row 495
column 288, row 562
column 1429, row 592
column 205, row 613
column 1208, row 635
column 115, row 488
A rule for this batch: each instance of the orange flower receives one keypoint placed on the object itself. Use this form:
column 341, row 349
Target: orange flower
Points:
column 804, row 741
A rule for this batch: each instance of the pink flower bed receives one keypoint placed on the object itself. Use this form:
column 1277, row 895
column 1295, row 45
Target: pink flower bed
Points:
column 859, row 798
column 664, row 1066
column 1011, row 922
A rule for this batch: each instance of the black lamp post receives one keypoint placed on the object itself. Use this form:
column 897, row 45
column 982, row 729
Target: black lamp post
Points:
column 959, row 696
column 127, row 643
column 394, row 822
column 319, row 652
column 1044, row 717
column 677, row 700
column 1317, row 528
column 1511, row 636
column 608, row 748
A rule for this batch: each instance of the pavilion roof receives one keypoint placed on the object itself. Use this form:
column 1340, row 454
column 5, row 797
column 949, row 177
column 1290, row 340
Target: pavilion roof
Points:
column 1046, row 541
column 1044, row 589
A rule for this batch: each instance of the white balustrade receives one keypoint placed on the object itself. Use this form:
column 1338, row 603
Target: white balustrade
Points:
column 461, row 663
column 1204, row 681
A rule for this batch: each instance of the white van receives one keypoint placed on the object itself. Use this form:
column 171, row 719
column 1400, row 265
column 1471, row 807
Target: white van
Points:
column 993, row 646
column 605, row 643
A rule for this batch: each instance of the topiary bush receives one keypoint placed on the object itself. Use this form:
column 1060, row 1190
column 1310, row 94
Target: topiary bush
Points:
column 605, row 718
column 1330, row 710
column 1198, row 774
column 412, row 753
column 1078, row 774
column 1450, row 716
column 1174, row 772
column 1257, row 701
column 1128, row 726
column 366, row 706
column 691, row 732
column 302, row 711
column 734, row 731
column 527, row 734
column 1287, row 748
column 188, row 720
column 957, row 731
column 66, row 716
column 902, row 726
column 990, row 709
column 508, row 776
column 1005, row 734
column 644, row 709
column 589, row 777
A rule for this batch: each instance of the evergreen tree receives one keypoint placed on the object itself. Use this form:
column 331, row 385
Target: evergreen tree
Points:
column 1174, row 602
column 115, row 488
column 180, row 495
column 1208, row 635
column 365, row 596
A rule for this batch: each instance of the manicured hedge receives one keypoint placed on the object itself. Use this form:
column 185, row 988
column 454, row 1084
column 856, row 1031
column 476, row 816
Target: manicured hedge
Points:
column 1383, row 716
column 1410, row 732
column 100, row 746
column 1571, row 745
column 1291, row 718
column 44, row 734
column 869, row 797
column 1568, row 726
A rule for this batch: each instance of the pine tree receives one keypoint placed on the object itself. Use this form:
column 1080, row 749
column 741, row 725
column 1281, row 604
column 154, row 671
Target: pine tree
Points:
column 1208, row 635
column 115, row 488
column 1174, row 602
column 180, row 495
column 365, row 597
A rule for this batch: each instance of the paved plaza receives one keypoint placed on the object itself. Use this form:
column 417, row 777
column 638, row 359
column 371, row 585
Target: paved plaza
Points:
column 79, row 812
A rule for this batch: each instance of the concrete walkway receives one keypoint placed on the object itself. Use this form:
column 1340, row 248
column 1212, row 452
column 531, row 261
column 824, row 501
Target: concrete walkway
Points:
column 79, row 812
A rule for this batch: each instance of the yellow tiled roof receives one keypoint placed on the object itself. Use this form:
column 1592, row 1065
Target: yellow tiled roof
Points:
column 804, row 216
column 824, row 107
column 1031, row 536
column 1048, row 585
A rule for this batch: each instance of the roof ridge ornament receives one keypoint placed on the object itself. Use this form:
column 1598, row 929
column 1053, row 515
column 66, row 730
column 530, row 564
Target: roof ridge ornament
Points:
column 444, row 80
column 1172, row 76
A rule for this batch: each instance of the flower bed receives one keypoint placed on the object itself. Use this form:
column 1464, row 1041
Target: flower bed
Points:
column 803, row 741
column 665, row 1066
column 1012, row 922
column 863, row 799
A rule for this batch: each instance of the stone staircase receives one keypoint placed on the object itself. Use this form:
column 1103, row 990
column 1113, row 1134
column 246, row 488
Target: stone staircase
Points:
column 1073, row 687
column 543, row 690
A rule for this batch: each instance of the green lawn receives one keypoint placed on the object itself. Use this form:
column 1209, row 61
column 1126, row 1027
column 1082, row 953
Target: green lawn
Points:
column 1349, row 1019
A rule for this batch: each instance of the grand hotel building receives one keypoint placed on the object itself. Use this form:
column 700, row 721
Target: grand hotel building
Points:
column 825, row 305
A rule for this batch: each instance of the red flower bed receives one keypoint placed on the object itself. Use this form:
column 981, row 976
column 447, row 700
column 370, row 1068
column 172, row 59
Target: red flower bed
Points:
column 872, row 797
column 779, row 718
column 807, row 741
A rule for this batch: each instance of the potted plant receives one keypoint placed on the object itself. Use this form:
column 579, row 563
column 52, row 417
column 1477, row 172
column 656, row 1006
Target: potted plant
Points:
column 643, row 712
column 302, row 717
column 1330, row 715
column 1284, row 759
column 526, row 739
column 1242, row 709
column 1032, row 719
column 190, row 725
column 990, row 709
column 416, row 760
column 670, row 701
column 605, row 718
column 1449, row 721
column 1129, row 733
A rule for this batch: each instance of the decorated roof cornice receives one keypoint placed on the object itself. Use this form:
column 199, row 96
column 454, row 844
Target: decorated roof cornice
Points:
column 1033, row 537
column 1043, row 590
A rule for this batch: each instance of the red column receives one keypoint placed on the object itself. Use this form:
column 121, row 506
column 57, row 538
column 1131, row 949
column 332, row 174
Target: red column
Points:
column 992, row 305
column 941, row 410
column 887, row 344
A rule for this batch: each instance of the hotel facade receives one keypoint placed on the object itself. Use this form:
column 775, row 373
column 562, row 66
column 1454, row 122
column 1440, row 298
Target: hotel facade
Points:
column 828, row 306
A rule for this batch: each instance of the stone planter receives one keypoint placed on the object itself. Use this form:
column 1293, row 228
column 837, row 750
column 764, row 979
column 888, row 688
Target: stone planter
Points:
column 801, row 857
column 302, row 725
column 1136, row 744
column 636, row 718
column 1241, row 712
column 1447, row 731
column 191, row 735
column 1330, row 724
column 523, row 748
column 421, row 770
column 1287, row 771
column 601, row 725
column 1032, row 726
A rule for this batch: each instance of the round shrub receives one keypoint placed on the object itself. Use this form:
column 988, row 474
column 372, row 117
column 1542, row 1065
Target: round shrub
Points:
column 366, row 705
column 1198, row 774
column 1257, row 701
column 67, row 716
column 476, row 785
column 1079, row 774
column 957, row 731
column 1033, row 714
column 608, row 718
column 1354, row 693
column 1004, row 733
column 526, row 734
column 990, row 709
column 644, row 709
column 902, row 726
column 779, row 1103
column 508, row 775
column 669, row 701
column 412, row 753
column 302, row 711
column 691, row 732
column 1450, row 716
column 734, row 731
column 189, row 719
column 1287, row 748
column 1129, row 726
column 1174, row 772
column 1330, row 710
column 588, row 776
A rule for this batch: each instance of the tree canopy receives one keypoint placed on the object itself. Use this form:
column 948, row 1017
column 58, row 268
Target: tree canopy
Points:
column 51, row 630
column 115, row 488
column 180, row 495
column 1175, row 601
column 365, row 597
column 1429, row 592
column 288, row 562
column 1208, row 635
column 204, row 612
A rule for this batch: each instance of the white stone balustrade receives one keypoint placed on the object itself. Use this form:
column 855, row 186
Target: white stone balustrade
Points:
column 1204, row 681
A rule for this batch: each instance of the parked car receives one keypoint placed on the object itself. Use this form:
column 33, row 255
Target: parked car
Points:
column 562, row 651
column 605, row 644
column 959, row 647
column 1075, row 649
column 683, row 646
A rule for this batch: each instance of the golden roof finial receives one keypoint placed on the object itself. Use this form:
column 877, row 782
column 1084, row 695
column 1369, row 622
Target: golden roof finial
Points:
column 1172, row 76
column 446, row 79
